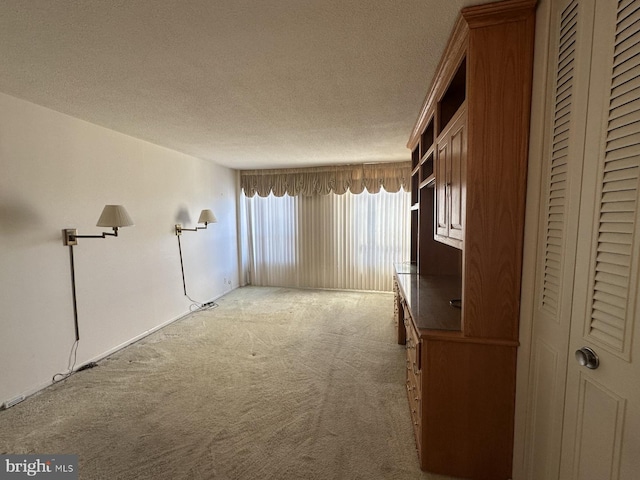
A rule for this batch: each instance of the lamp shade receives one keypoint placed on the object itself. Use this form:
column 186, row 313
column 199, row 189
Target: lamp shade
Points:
column 207, row 216
column 114, row 216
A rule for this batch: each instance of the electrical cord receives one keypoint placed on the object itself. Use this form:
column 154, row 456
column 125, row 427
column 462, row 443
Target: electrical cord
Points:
column 74, row 348
column 195, row 305
column 199, row 306
column 72, row 365
column 73, row 354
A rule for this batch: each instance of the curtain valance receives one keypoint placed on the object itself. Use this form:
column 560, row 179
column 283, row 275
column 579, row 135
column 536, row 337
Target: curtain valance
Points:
column 323, row 180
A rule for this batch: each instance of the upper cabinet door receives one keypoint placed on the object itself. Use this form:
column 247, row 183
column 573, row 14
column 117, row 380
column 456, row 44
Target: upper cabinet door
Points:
column 450, row 181
column 458, row 163
column 442, row 183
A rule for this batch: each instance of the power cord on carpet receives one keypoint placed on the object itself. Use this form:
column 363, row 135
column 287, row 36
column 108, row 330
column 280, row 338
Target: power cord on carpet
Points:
column 72, row 364
column 198, row 306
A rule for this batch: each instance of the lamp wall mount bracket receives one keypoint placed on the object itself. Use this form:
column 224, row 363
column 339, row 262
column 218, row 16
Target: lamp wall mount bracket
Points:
column 70, row 236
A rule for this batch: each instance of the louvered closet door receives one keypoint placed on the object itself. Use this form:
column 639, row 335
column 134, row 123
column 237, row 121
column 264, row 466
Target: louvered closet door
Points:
column 602, row 410
column 563, row 152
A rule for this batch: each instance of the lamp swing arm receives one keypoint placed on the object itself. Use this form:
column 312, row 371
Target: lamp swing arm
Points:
column 206, row 217
column 103, row 235
column 180, row 228
column 71, row 235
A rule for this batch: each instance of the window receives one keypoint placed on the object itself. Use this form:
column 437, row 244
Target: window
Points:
column 347, row 241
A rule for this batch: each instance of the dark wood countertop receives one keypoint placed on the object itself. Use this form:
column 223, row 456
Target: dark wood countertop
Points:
column 407, row 268
column 428, row 300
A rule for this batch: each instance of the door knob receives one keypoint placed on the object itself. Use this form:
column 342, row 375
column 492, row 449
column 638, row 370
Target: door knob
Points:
column 587, row 358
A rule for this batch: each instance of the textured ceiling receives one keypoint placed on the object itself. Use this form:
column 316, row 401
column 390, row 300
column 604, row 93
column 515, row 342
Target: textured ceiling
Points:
column 247, row 84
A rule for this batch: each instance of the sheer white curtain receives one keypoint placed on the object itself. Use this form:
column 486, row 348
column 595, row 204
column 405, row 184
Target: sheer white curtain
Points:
column 347, row 241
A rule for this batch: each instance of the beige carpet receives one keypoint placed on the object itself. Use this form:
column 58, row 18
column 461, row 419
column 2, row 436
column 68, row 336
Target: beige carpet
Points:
column 275, row 383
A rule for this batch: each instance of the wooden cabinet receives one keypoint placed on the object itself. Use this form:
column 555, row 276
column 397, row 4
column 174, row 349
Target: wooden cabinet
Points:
column 450, row 178
column 460, row 296
column 460, row 390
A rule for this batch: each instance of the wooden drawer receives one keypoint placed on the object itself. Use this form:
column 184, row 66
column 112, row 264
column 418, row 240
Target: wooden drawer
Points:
column 413, row 344
column 415, row 403
column 398, row 312
column 415, row 397
column 413, row 378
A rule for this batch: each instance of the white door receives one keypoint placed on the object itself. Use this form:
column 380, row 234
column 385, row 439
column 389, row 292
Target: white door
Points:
column 562, row 155
column 601, row 431
column 584, row 423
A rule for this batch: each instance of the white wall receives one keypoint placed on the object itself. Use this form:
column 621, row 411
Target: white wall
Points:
column 58, row 172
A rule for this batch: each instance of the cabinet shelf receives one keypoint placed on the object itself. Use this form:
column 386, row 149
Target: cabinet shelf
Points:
column 429, row 182
column 427, row 154
column 454, row 96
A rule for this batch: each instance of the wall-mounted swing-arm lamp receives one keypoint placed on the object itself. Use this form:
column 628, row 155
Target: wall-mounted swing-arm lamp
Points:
column 114, row 216
column 206, row 217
